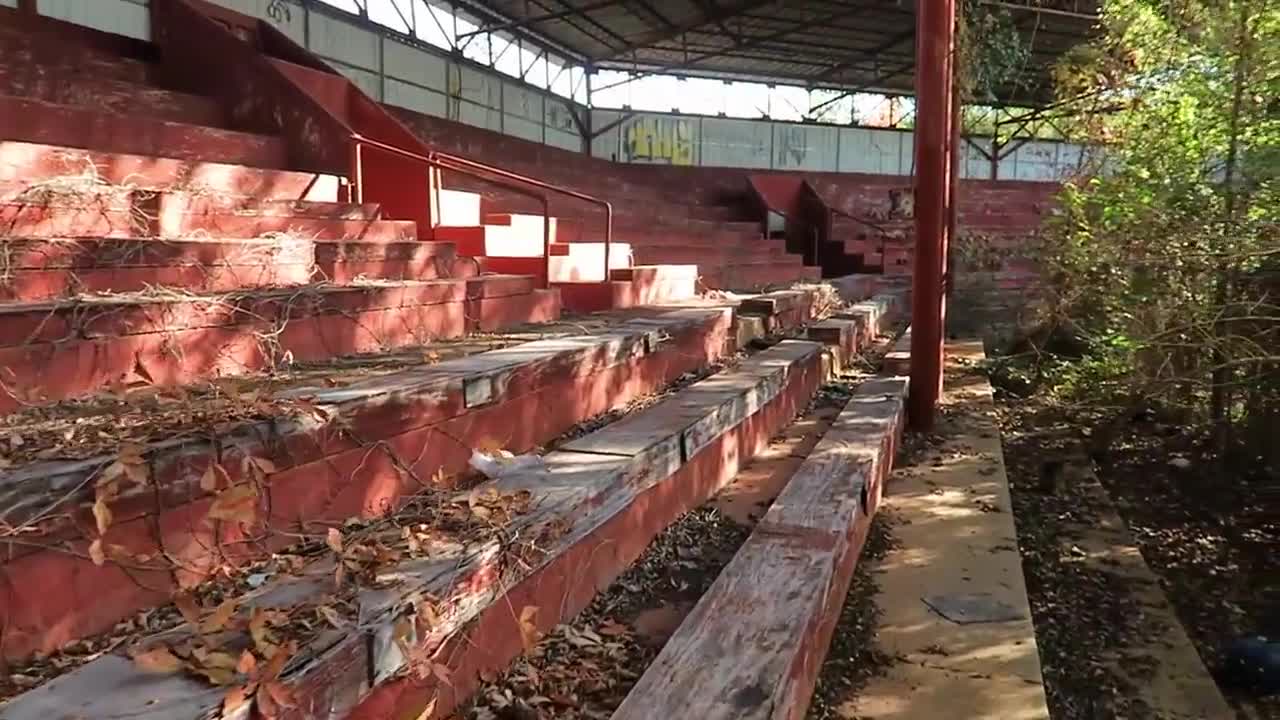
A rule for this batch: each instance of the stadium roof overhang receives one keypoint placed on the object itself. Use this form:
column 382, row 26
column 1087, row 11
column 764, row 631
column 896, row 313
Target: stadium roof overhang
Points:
column 852, row 45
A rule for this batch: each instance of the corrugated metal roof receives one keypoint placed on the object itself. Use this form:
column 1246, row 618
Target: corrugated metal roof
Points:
column 849, row 44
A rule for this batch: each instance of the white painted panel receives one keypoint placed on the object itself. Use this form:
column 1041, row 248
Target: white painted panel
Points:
column 411, row 96
column 522, row 103
column 369, row 82
column 1036, row 161
column 804, row 147
column 475, row 86
column 122, row 17
column 1071, row 158
column 344, row 42
column 736, row 143
column 558, row 116
column 8, row 3
column 479, row 115
column 606, row 144
column 522, row 128
column 288, row 17
column 564, row 140
column 974, row 163
column 411, row 64
column 869, row 151
column 907, row 158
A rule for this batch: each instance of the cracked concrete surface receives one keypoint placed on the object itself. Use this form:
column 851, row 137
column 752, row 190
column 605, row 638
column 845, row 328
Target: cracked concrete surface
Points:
column 955, row 535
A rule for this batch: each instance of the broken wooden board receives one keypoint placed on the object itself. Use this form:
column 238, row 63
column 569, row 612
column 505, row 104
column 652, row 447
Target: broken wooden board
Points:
column 752, row 646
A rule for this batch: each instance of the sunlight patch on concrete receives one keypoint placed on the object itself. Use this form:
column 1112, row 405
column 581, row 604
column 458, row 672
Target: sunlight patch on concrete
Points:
column 955, row 536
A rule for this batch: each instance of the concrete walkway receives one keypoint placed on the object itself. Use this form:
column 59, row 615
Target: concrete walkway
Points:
column 956, row 551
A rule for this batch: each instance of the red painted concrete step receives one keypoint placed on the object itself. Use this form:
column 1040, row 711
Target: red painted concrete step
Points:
column 618, row 492
column 34, row 171
column 55, row 350
column 35, row 121
column 93, row 91
column 744, row 637
column 632, row 287
column 427, row 416
column 55, row 54
column 41, row 269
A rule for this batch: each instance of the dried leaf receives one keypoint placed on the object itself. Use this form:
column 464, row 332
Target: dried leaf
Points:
column 489, row 446
column 190, row 609
column 331, row 616
column 157, row 660
column 442, row 673
column 258, row 630
column 219, row 660
column 238, row 503
column 260, row 466
column 102, row 515
column 264, row 704
column 403, row 635
column 213, row 476
column 247, row 663
column 427, row 614
column 281, row 694
column 275, row 665
column 219, row 619
column 96, row 554
column 528, row 626
column 334, row 540
column 217, row 676
column 235, row 699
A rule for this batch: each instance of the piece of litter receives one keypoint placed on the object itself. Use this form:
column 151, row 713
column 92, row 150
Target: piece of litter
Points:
column 499, row 466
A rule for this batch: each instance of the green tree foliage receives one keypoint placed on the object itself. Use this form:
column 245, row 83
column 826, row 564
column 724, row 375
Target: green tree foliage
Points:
column 1163, row 261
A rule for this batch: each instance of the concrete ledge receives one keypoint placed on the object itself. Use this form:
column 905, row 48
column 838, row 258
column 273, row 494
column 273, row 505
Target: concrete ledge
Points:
column 898, row 361
column 752, row 646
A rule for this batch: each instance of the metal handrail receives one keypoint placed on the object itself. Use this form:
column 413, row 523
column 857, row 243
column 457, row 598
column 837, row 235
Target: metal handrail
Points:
column 507, row 179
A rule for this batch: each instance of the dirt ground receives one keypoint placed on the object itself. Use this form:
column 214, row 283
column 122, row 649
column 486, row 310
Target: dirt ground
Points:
column 1206, row 534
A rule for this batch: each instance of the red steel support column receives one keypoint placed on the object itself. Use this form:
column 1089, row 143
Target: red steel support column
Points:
column 955, row 143
column 935, row 32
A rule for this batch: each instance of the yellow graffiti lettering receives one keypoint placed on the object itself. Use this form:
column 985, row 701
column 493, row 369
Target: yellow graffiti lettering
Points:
column 658, row 139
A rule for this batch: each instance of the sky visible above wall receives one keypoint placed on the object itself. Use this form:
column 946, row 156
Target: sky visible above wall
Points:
column 439, row 25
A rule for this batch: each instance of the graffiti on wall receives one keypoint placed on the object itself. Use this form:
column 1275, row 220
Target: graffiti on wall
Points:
column 791, row 144
column 658, row 140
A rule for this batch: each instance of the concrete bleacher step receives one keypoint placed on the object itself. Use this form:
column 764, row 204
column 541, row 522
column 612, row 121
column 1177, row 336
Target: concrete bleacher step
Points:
column 60, row 349
column 109, row 94
column 37, row 121
column 749, row 650
column 48, row 268
column 425, row 418
column 633, row 286
column 615, row 488
column 36, row 170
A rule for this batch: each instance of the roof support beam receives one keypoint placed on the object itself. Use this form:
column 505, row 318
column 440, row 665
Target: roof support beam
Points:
column 748, row 42
column 538, row 19
column 725, row 12
column 866, row 54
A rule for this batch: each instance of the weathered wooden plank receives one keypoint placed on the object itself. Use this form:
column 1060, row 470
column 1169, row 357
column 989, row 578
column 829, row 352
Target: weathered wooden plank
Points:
column 577, row 492
column 836, row 481
column 29, row 488
column 673, row 430
column 751, row 648
column 732, row 668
